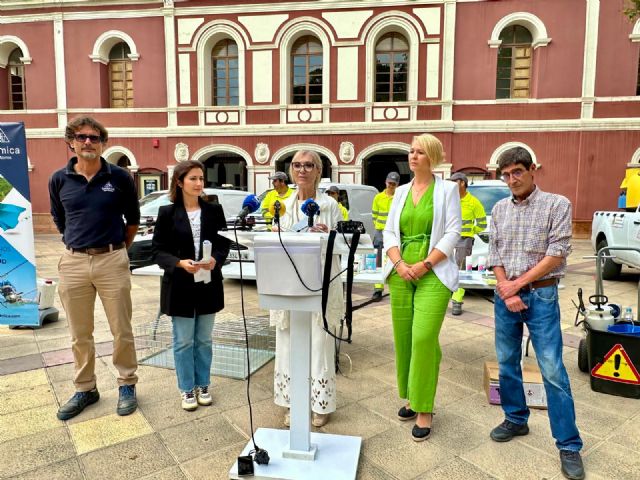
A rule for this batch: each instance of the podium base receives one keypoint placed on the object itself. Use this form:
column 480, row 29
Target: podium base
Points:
column 336, row 458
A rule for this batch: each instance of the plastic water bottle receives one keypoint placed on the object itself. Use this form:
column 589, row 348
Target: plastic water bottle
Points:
column 628, row 315
column 370, row 262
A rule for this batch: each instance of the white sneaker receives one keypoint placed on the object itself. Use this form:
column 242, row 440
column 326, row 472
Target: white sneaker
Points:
column 203, row 396
column 189, row 401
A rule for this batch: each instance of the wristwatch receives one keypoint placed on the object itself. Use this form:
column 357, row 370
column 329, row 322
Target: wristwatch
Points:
column 428, row 265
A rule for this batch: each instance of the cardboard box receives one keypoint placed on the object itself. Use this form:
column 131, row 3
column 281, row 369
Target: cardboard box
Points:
column 532, row 381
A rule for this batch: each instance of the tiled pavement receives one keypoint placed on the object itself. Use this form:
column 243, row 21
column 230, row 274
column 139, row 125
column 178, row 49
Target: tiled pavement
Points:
column 161, row 441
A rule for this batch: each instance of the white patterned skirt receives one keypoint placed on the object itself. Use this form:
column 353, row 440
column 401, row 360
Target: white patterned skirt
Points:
column 323, row 372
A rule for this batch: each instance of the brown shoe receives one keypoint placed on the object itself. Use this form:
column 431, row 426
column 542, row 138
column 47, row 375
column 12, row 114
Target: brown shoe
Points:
column 319, row 419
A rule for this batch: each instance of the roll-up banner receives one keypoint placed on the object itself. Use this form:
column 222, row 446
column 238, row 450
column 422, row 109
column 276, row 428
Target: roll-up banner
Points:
column 18, row 288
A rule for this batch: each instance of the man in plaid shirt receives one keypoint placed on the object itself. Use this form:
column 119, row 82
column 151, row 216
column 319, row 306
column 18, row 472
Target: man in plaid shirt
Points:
column 528, row 247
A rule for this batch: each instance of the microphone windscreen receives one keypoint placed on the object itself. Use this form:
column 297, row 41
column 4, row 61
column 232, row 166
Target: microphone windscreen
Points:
column 251, row 203
column 272, row 208
column 310, row 207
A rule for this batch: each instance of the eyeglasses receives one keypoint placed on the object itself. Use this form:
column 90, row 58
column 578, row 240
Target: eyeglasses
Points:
column 517, row 174
column 297, row 166
column 82, row 138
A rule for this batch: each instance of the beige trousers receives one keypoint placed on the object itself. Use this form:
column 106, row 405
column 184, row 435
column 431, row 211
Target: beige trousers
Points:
column 81, row 276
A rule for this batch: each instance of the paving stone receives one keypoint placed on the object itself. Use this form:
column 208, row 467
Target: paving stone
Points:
column 511, row 460
column 65, row 470
column 394, row 451
column 133, row 459
column 26, row 453
column 165, row 414
column 456, row 469
column 171, row 473
column 214, row 465
column 108, row 430
column 627, row 434
column 357, row 421
column 266, row 414
column 199, row 436
column 21, row 380
column 26, row 398
column 17, row 351
column 454, row 433
column 20, row 364
column 27, row 422
column 614, row 462
column 369, row 471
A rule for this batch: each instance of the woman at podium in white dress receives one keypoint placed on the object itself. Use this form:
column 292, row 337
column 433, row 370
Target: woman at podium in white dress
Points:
column 306, row 172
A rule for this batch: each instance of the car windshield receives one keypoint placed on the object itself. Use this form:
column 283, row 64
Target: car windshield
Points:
column 489, row 195
column 150, row 204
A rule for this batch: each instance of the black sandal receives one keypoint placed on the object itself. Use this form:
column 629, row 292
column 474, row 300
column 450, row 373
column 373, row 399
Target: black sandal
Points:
column 405, row 413
column 420, row 434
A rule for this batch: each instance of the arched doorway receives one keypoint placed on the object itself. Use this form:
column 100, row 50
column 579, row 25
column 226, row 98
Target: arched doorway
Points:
column 378, row 166
column 226, row 170
column 283, row 164
column 123, row 162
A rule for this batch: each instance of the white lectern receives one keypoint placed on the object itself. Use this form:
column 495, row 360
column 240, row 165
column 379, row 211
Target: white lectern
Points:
column 298, row 453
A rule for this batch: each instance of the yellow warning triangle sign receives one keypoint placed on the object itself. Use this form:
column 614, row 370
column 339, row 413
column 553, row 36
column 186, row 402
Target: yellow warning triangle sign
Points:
column 617, row 367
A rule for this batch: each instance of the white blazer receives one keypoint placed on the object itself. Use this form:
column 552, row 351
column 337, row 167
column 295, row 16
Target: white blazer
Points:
column 445, row 232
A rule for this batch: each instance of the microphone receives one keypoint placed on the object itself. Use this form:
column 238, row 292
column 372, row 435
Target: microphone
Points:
column 310, row 208
column 277, row 209
column 249, row 205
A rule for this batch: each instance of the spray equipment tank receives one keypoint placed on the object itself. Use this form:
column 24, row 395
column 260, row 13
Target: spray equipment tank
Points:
column 599, row 315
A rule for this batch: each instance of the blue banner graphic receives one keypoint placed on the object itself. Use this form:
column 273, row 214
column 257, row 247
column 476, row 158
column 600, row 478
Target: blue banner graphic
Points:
column 18, row 288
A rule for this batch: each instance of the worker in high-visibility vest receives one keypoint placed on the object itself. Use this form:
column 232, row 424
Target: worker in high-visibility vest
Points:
column 474, row 221
column 379, row 212
column 281, row 191
column 334, row 192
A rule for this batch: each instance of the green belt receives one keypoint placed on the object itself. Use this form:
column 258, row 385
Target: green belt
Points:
column 422, row 237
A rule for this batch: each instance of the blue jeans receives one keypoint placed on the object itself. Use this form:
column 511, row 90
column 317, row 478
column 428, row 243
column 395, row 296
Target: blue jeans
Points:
column 543, row 321
column 193, row 350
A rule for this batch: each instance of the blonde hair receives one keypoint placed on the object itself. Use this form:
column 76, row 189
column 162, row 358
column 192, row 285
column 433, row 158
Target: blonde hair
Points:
column 432, row 147
column 315, row 158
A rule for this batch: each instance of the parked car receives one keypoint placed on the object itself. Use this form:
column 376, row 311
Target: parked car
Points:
column 488, row 192
column 140, row 251
column 619, row 229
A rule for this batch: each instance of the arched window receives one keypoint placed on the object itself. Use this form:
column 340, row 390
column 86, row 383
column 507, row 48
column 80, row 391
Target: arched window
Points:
column 17, row 88
column 392, row 67
column 306, row 74
column 224, row 76
column 513, row 79
column 120, row 76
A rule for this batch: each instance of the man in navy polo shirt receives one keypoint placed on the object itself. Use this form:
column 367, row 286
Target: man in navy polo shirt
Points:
column 89, row 198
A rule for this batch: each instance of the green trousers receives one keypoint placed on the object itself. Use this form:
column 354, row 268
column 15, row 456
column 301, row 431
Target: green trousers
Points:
column 417, row 311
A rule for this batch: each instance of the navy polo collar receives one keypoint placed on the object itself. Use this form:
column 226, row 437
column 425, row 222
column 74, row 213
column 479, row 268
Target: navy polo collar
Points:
column 105, row 167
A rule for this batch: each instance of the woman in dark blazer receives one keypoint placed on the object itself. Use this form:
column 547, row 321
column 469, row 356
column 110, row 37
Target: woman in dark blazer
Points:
column 191, row 290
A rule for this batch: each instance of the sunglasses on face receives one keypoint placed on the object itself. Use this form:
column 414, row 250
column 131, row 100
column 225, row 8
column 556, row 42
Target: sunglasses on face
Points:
column 82, row 138
column 297, row 166
column 517, row 174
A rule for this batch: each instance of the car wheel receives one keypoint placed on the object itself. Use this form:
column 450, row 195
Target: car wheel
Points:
column 583, row 356
column 610, row 269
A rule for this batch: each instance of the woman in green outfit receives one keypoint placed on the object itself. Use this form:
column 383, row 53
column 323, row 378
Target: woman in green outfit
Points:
column 421, row 233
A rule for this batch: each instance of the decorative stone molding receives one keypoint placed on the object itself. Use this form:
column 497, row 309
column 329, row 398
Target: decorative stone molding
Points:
column 635, row 35
column 525, row 19
column 262, row 153
column 106, row 42
column 493, row 162
column 347, row 152
column 7, row 44
column 181, row 152
column 113, row 153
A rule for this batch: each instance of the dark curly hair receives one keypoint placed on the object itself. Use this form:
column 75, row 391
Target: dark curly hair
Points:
column 77, row 123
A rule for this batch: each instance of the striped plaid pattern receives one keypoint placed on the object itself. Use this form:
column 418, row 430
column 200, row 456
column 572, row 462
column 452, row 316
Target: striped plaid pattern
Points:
column 523, row 233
